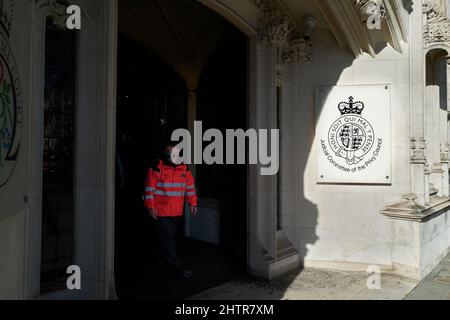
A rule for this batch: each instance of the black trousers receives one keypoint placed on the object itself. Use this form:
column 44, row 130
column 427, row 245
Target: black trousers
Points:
column 166, row 229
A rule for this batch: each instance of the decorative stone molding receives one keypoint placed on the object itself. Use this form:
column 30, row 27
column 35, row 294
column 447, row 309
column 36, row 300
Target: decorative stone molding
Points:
column 409, row 210
column 437, row 168
column 6, row 14
column 433, row 204
column 275, row 27
column 428, row 186
column 348, row 22
column 436, row 33
column 418, row 151
column 437, row 23
column 55, row 9
column 279, row 80
column 278, row 30
column 435, row 10
column 298, row 51
column 433, row 190
column 444, row 150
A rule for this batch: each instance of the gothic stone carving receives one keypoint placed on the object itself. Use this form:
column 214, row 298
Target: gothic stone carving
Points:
column 277, row 29
column 299, row 50
column 6, row 14
column 437, row 26
column 418, row 149
column 275, row 26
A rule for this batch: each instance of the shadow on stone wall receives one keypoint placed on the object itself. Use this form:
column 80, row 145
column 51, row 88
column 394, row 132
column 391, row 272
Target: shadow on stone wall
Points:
column 139, row 273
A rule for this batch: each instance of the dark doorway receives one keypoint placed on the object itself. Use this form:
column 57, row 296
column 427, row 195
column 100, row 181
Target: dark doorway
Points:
column 222, row 97
column 152, row 102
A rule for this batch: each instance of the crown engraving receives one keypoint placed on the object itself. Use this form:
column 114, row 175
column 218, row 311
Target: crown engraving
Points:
column 351, row 107
column 6, row 14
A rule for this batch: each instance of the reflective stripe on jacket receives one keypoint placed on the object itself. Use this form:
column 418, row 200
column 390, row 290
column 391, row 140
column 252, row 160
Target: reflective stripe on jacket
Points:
column 167, row 187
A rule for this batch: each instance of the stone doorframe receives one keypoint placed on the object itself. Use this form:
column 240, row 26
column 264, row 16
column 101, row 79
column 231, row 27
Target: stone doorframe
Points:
column 95, row 136
column 96, row 128
column 269, row 253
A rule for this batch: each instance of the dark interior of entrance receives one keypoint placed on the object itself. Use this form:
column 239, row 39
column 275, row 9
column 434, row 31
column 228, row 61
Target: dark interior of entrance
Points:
column 152, row 102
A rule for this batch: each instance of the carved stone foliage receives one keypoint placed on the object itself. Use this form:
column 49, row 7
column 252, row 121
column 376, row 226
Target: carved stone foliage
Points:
column 278, row 30
column 436, row 33
column 437, row 24
column 297, row 51
column 276, row 27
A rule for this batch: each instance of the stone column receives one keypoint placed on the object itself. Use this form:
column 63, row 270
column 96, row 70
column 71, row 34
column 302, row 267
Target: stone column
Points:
column 444, row 138
column 261, row 189
column 445, row 167
column 417, row 104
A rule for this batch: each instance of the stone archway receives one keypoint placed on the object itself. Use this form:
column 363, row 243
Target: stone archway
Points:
column 244, row 15
column 263, row 236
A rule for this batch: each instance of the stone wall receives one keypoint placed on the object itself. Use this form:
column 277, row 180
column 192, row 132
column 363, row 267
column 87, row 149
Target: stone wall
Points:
column 340, row 226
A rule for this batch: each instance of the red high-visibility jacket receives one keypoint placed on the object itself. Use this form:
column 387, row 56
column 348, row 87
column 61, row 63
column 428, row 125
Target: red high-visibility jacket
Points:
column 167, row 187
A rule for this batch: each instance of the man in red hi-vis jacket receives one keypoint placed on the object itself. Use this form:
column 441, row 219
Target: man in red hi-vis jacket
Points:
column 167, row 187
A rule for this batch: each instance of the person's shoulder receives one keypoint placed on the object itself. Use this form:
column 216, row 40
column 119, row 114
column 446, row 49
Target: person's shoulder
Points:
column 183, row 167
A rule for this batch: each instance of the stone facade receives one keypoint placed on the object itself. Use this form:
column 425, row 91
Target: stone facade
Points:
column 403, row 227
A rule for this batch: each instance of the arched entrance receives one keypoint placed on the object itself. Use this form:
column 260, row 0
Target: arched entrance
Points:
column 160, row 70
column 436, row 118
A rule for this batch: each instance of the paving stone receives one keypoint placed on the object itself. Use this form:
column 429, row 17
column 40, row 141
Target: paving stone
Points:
column 436, row 286
column 312, row 284
column 320, row 284
column 443, row 276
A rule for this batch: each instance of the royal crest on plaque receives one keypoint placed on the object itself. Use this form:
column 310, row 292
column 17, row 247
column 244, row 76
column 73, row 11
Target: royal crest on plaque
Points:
column 351, row 136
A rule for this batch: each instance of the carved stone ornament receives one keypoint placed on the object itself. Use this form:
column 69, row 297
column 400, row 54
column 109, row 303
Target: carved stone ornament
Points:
column 437, row 25
column 275, row 26
column 445, row 149
column 298, row 50
column 366, row 8
column 278, row 30
column 57, row 11
column 418, row 148
column 6, row 14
